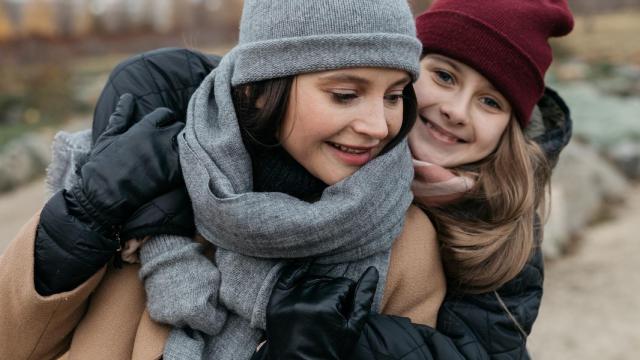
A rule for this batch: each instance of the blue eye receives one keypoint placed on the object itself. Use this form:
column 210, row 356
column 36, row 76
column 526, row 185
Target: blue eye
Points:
column 491, row 102
column 444, row 76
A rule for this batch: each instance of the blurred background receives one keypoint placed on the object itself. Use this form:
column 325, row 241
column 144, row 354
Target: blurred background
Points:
column 55, row 56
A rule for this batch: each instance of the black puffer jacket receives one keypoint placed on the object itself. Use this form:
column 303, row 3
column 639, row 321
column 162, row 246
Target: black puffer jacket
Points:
column 487, row 326
column 67, row 249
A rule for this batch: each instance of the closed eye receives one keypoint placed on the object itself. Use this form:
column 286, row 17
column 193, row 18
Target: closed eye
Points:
column 343, row 98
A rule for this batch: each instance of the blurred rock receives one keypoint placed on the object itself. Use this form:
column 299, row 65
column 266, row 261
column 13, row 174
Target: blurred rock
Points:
column 556, row 229
column 630, row 71
column 583, row 185
column 571, row 71
column 23, row 159
column 601, row 118
column 627, row 156
column 618, row 86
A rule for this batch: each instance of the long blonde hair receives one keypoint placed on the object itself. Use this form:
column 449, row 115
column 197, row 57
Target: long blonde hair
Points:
column 487, row 237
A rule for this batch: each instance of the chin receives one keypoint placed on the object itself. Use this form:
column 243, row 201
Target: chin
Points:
column 427, row 158
column 334, row 178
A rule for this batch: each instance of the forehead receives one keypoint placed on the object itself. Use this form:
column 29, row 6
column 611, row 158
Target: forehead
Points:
column 360, row 76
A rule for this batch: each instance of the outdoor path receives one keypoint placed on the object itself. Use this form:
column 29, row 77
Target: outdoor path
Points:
column 17, row 207
column 591, row 305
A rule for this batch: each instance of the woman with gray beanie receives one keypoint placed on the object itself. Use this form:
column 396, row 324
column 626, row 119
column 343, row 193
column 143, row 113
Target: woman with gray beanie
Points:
column 294, row 148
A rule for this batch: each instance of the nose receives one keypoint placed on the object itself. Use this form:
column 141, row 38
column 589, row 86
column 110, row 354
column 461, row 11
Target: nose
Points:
column 456, row 110
column 373, row 122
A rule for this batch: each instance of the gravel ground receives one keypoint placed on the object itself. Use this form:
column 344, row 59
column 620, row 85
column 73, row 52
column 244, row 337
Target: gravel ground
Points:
column 17, row 207
column 591, row 304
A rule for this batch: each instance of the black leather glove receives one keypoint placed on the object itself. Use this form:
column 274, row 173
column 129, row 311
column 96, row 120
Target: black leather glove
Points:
column 316, row 317
column 168, row 214
column 129, row 166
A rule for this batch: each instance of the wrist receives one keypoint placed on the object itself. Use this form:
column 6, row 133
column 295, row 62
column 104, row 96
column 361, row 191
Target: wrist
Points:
column 81, row 208
column 161, row 244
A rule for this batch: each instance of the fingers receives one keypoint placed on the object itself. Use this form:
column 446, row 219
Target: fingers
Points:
column 262, row 352
column 122, row 117
column 161, row 117
column 291, row 274
column 363, row 296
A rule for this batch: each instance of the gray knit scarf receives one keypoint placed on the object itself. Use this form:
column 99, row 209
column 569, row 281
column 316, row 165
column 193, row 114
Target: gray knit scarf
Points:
column 351, row 226
column 352, row 220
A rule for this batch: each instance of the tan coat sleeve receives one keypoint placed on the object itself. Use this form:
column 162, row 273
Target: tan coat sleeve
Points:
column 416, row 283
column 32, row 326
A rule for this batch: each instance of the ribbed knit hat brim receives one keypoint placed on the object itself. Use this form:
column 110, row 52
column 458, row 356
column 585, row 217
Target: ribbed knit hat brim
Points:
column 506, row 41
column 281, row 38
column 278, row 58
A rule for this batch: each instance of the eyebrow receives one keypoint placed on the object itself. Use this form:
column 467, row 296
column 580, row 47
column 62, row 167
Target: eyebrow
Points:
column 357, row 79
column 405, row 80
column 457, row 68
column 447, row 61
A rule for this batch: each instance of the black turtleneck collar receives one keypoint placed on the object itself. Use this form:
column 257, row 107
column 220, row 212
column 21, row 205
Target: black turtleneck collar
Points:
column 274, row 170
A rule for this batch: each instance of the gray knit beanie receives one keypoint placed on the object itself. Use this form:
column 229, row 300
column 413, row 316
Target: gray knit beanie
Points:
column 280, row 38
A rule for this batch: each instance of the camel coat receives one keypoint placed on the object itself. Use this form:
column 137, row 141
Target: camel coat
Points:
column 106, row 318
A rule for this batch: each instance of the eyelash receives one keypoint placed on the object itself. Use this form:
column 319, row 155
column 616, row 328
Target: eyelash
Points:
column 441, row 74
column 495, row 104
column 448, row 79
column 344, row 98
column 394, row 99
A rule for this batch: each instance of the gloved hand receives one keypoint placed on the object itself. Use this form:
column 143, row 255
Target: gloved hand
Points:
column 168, row 214
column 129, row 166
column 316, row 317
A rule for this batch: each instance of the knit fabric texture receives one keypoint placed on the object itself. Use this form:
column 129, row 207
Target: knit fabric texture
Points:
column 504, row 40
column 349, row 228
column 282, row 38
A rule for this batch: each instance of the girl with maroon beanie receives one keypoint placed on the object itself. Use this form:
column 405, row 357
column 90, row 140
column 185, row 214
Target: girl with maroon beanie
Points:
column 480, row 177
column 482, row 73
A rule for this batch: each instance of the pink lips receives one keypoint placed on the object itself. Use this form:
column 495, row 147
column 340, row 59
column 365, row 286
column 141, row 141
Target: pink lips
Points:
column 351, row 155
column 440, row 134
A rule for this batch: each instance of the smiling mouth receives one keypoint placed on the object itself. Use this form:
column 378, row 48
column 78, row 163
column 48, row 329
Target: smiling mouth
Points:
column 351, row 150
column 441, row 134
column 350, row 155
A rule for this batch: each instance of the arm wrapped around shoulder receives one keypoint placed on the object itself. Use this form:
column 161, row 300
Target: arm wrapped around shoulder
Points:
column 416, row 284
column 182, row 284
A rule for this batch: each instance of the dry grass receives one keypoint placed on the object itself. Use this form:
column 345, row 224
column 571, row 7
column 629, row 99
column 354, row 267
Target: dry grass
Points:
column 613, row 38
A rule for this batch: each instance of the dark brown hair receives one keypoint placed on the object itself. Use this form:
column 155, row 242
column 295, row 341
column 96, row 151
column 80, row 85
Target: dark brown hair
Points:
column 260, row 125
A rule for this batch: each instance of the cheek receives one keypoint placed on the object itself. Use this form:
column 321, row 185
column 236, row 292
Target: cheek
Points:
column 306, row 127
column 421, row 88
column 420, row 147
column 491, row 133
column 394, row 121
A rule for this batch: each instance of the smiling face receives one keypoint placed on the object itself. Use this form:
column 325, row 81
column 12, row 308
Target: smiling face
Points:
column 337, row 121
column 461, row 116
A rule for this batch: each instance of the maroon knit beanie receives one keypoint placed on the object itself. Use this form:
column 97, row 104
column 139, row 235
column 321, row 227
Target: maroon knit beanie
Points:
column 504, row 40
